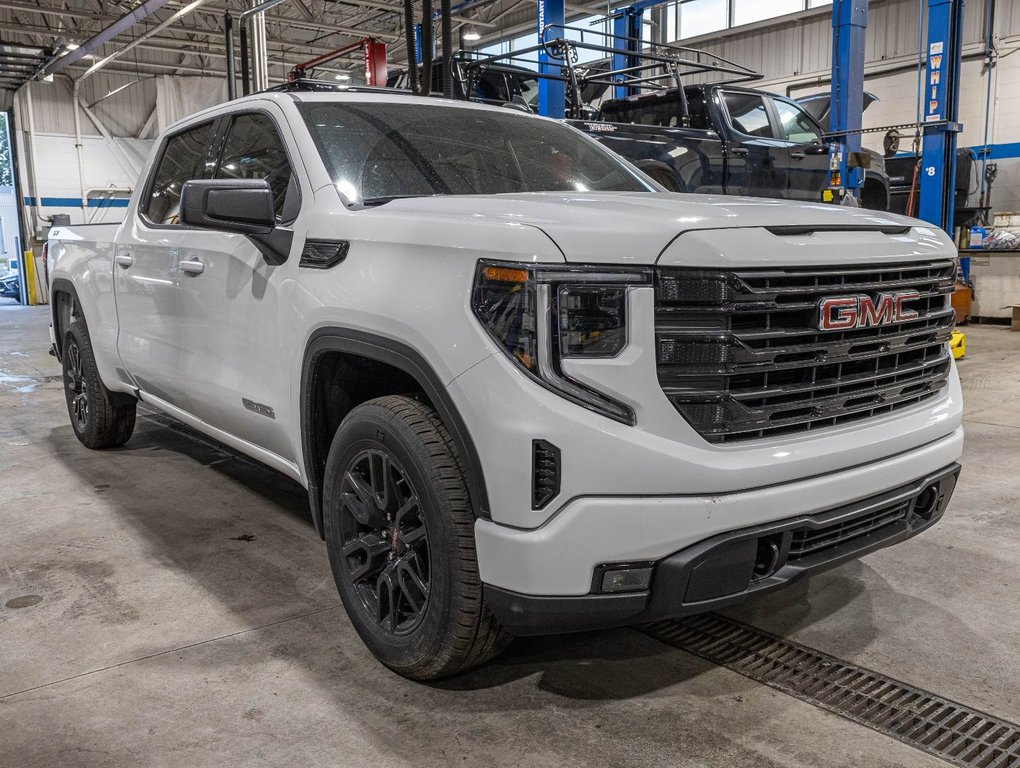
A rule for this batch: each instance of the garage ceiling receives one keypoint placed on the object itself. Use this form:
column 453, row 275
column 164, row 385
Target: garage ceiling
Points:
column 32, row 33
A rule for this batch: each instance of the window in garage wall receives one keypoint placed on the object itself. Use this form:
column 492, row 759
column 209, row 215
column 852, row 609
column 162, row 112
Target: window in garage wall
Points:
column 749, row 11
column 590, row 29
column 691, row 18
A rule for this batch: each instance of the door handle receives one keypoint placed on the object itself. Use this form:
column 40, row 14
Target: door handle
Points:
column 192, row 266
column 124, row 259
column 798, row 155
column 739, row 151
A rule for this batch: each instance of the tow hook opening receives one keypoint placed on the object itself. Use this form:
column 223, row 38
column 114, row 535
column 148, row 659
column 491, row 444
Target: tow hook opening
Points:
column 766, row 559
column 927, row 502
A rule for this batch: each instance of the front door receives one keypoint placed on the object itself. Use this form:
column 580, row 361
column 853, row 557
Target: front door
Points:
column 146, row 268
column 755, row 157
column 234, row 339
column 808, row 154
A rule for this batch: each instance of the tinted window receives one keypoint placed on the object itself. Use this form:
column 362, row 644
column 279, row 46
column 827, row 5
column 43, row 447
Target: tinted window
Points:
column 697, row 108
column 253, row 150
column 748, row 114
column 376, row 151
column 796, row 124
column 662, row 110
column 183, row 160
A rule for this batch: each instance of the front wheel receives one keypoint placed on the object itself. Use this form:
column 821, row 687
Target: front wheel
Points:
column 400, row 537
column 100, row 418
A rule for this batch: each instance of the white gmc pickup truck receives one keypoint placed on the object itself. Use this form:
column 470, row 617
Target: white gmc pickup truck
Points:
column 527, row 390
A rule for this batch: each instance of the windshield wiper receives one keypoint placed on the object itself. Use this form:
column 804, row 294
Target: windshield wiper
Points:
column 383, row 199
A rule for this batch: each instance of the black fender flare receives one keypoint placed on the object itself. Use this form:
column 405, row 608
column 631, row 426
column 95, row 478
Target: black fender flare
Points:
column 63, row 285
column 411, row 362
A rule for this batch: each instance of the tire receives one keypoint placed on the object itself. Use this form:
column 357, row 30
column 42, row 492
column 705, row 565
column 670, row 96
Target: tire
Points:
column 665, row 178
column 100, row 418
column 400, row 537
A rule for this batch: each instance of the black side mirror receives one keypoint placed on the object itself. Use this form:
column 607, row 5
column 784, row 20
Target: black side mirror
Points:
column 239, row 206
column 242, row 206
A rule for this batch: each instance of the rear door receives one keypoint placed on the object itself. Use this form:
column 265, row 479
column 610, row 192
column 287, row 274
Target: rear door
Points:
column 234, row 340
column 807, row 153
column 146, row 270
column 756, row 158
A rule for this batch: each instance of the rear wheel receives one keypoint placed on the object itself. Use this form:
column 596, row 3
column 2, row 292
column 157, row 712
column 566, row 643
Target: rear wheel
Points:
column 400, row 536
column 100, row 418
column 665, row 178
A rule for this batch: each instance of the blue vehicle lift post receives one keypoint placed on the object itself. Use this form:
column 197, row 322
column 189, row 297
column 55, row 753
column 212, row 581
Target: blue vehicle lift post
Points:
column 941, row 90
column 551, row 92
column 849, row 25
column 627, row 27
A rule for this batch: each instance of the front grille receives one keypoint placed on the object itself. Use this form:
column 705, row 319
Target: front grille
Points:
column 740, row 356
column 806, row 542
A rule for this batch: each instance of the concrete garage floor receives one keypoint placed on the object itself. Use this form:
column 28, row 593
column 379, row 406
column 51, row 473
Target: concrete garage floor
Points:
column 183, row 614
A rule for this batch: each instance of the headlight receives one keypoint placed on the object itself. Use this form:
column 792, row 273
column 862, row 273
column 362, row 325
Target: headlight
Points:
column 541, row 315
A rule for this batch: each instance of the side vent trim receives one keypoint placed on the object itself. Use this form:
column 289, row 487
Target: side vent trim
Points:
column 545, row 473
column 323, row 254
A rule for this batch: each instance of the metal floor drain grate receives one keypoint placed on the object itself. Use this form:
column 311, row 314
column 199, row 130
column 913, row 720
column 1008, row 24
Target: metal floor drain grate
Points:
column 941, row 727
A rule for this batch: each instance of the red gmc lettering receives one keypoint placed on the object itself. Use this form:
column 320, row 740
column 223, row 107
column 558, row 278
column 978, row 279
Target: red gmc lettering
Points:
column 838, row 314
column 902, row 313
column 846, row 312
column 873, row 313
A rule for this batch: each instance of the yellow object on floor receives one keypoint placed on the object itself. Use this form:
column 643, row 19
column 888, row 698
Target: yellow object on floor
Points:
column 958, row 344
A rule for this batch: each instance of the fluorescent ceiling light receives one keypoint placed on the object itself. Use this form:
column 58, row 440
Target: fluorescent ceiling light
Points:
column 343, row 76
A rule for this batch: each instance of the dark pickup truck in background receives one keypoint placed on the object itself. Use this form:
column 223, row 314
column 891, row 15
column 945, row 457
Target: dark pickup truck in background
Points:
column 739, row 141
column 733, row 140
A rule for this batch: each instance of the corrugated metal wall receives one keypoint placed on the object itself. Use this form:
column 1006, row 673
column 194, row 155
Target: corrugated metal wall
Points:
column 801, row 45
column 127, row 108
column 123, row 113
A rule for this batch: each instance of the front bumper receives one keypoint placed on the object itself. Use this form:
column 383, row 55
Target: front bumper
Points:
column 734, row 565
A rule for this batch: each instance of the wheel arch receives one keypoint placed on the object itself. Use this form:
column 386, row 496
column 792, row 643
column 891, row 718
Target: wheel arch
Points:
column 875, row 192
column 394, row 354
column 657, row 168
column 64, row 305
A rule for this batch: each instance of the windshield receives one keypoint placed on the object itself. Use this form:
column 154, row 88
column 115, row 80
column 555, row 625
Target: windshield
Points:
column 377, row 152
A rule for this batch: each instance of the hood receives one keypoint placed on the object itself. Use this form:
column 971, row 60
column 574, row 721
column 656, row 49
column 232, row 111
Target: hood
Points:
column 818, row 105
column 636, row 227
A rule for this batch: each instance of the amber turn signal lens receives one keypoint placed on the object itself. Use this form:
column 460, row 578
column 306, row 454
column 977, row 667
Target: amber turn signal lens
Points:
column 505, row 274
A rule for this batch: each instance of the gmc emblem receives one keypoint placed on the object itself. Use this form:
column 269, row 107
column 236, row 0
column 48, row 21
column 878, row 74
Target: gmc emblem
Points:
column 844, row 313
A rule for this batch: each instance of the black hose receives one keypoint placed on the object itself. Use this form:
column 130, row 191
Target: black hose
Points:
column 447, row 70
column 426, row 47
column 412, row 64
column 245, row 72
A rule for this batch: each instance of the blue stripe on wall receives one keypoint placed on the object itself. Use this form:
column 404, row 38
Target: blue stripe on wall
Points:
column 75, row 202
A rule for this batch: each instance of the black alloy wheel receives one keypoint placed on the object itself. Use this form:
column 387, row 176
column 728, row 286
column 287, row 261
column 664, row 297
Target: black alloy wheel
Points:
column 385, row 541
column 399, row 530
column 77, row 389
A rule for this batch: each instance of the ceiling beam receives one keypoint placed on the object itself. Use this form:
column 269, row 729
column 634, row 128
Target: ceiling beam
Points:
column 277, row 46
column 125, row 22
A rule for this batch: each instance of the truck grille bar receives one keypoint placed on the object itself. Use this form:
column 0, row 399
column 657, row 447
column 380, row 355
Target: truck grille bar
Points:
column 740, row 356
